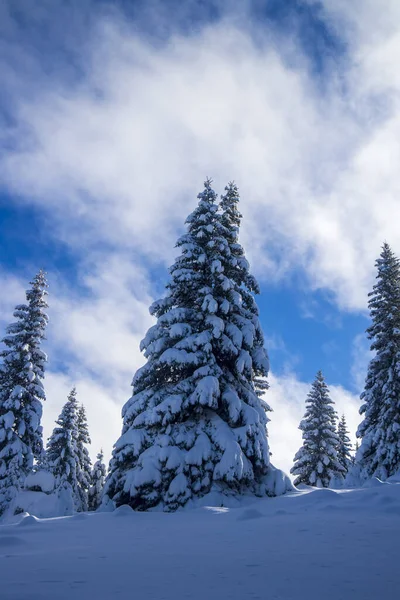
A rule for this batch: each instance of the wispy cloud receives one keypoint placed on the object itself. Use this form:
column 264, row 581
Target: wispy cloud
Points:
column 117, row 155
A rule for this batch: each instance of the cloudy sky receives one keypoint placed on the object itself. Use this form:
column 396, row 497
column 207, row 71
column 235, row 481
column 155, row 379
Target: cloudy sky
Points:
column 111, row 116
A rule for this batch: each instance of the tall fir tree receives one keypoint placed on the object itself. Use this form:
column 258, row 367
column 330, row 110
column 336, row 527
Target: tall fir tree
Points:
column 379, row 453
column 84, row 471
column 345, row 447
column 237, row 269
column 62, row 456
column 317, row 463
column 97, row 482
column 21, row 391
column 195, row 423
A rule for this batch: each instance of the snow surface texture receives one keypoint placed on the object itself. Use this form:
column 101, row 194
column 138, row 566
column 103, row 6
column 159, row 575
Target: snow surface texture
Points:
column 305, row 545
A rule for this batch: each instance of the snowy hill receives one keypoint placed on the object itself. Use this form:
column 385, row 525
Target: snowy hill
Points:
column 309, row 545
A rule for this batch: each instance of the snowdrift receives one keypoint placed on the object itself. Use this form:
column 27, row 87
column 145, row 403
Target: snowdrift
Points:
column 304, row 545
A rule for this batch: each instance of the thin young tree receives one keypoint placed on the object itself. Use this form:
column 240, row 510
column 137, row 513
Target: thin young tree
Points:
column 195, row 423
column 97, row 483
column 84, row 469
column 356, row 449
column 379, row 453
column 345, row 447
column 317, row 463
column 21, row 391
column 62, row 457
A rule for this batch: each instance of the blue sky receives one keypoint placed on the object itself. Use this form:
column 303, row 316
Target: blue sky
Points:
column 112, row 115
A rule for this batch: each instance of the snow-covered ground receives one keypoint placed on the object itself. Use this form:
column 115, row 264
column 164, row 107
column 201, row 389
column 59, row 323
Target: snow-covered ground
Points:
column 316, row 544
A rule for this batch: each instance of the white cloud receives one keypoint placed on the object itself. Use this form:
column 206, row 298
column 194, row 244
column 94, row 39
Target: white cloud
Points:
column 127, row 151
column 101, row 326
column 120, row 156
column 12, row 293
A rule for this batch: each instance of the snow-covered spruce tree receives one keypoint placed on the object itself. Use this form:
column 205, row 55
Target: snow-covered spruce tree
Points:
column 317, row 463
column 237, row 269
column 195, row 423
column 84, row 471
column 21, row 391
column 62, row 456
column 345, row 447
column 379, row 453
column 98, row 479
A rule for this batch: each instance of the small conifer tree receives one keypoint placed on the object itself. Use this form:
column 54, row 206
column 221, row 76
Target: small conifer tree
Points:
column 22, row 392
column 344, row 447
column 97, row 483
column 62, row 456
column 84, row 463
column 317, row 463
